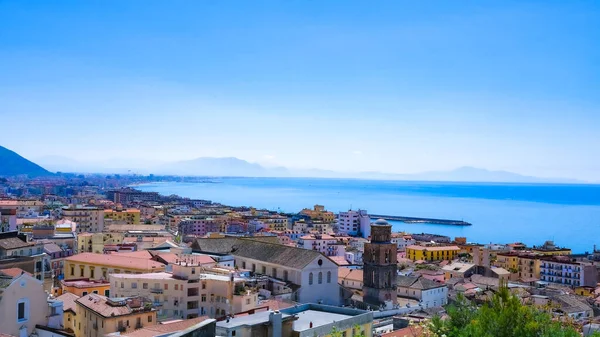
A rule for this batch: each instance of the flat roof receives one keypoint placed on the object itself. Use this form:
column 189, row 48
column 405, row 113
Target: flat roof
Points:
column 248, row 320
column 317, row 318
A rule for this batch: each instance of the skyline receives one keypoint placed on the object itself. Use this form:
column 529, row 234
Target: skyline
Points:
column 399, row 88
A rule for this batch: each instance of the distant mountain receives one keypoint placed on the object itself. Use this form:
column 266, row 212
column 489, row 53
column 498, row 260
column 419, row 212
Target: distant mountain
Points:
column 235, row 167
column 210, row 166
column 12, row 164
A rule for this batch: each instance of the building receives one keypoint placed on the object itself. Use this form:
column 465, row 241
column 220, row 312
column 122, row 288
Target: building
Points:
column 13, row 244
column 379, row 260
column 23, row 305
column 354, row 223
column 428, row 293
column 99, row 315
column 318, row 213
column 459, row 270
column 431, row 253
column 126, row 196
column 129, row 216
column 567, row 271
column 314, row 274
column 24, row 208
column 8, row 220
column 88, row 218
column 550, row 249
column 306, row 320
column 195, row 327
column 189, row 291
column 323, row 243
column 350, row 278
column 69, row 310
column 402, row 241
column 523, row 266
column 95, row 242
column 84, row 286
column 99, row 266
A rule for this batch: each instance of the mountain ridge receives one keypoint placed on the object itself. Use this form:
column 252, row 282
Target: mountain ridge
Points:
column 236, row 167
column 13, row 164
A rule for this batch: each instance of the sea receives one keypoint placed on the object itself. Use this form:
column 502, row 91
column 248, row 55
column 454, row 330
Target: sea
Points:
column 568, row 214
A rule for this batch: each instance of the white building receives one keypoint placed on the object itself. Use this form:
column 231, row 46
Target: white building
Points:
column 355, row 223
column 323, row 243
column 402, row 241
column 429, row 293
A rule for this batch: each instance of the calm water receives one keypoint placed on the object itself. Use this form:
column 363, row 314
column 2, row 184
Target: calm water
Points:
column 500, row 213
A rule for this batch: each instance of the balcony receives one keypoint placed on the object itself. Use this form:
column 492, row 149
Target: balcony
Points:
column 156, row 291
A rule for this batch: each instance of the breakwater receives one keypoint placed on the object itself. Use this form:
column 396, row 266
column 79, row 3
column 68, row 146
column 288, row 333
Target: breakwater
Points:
column 407, row 219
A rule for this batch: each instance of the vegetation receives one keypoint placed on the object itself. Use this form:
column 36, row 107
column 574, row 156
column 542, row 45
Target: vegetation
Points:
column 503, row 316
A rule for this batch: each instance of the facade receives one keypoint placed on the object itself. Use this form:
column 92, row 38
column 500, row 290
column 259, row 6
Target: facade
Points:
column 23, row 305
column 323, row 243
column 379, row 260
column 313, row 273
column 129, row 216
column 565, row 271
column 187, row 292
column 8, row 220
column 84, row 286
column 95, row 242
column 522, row 266
column 69, row 310
column 99, row 315
column 355, row 223
column 432, row 253
column 99, row 266
column 350, row 278
column 88, row 218
column 13, row 244
column 402, row 241
column 429, row 293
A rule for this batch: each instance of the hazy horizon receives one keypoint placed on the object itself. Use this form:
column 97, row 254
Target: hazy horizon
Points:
column 395, row 87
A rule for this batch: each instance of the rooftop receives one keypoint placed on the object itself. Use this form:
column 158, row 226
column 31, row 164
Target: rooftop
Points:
column 110, row 307
column 316, row 318
column 248, row 320
column 84, row 283
column 68, row 300
column 116, row 260
column 166, row 327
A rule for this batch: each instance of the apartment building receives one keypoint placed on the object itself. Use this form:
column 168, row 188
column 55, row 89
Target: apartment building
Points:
column 8, row 220
column 432, row 253
column 402, row 241
column 99, row 315
column 354, row 223
column 189, row 291
column 13, row 244
column 429, row 293
column 99, row 266
column 523, row 266
column 567, row 271
column 129, row 216
column 323, row 243
column 318, row 213
column 88, row 218
column 95, row 242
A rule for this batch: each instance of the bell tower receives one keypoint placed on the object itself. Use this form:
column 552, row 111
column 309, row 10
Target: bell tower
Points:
column 379, row 266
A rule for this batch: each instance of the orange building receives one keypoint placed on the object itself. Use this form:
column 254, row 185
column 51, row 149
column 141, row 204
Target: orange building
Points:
column 84, row 286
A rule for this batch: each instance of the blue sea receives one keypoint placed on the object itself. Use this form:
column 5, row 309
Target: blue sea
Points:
column 500, row 213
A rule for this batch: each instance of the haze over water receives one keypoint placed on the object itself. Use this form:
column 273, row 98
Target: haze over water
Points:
column 500, row 213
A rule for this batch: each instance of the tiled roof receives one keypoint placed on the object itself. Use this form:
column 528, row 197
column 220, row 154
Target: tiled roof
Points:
column 140, row 254
column 68, row 300
column 350, row 274
column 433, row 248
column 51, row 248
column 339, row 260
column 115, row 260
column 225, row 245
column 405, row 332
column 284, row 255
column 165, row 328
column 420, row 283
column 99, row 304
column 13, row 272
column 13, row 243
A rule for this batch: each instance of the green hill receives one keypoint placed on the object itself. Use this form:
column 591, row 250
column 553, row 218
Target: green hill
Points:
column 12, row 164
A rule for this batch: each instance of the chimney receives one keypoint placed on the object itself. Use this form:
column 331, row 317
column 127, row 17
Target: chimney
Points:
column 276, row 322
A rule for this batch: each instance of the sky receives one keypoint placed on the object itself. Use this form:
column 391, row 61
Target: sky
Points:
column 391, row 86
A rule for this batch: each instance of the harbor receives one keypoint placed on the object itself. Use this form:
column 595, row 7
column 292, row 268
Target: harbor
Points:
column 407, row 219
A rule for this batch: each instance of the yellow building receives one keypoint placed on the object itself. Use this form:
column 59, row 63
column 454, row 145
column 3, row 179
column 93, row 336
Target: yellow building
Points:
column 69, row 310
column 94, row 242
column 99, row 315
column 432, row 253
column 522, row 266
column 318, row 213
column 99, row 266
column 129, row 216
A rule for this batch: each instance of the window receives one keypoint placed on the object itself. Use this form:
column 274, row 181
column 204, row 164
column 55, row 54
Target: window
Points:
column 320, row 280
column 275, row 272
column 72, row 271
column 203, row 298
column 193, row 270
column 329, row 277
column 264, row 270
column 95, row 291
column 107, row 293
column 122, row 285
column 134, row 285
column 166, row 286
column 247, row 301
column 84, row 293
column 285, row 275
column 149, row 319
column 310, row 278
column 92, row 272
column 145, row 285
column 203, row 285
column 22, row 310
column 243, row 264
column 81, row 272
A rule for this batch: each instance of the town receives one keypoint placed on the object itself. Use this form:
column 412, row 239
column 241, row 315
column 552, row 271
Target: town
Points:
column 90, row 255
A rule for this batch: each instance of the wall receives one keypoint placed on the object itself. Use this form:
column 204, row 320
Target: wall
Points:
column 27, row 289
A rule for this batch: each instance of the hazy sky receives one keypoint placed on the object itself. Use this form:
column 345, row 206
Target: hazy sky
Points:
column 346, row 85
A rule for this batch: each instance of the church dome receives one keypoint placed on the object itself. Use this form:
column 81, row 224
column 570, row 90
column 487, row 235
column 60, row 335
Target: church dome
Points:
column 381, row 222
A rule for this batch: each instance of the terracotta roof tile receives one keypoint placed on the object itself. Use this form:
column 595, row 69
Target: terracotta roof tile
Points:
column 116, row 260
column 68, row 300
column 13, row 272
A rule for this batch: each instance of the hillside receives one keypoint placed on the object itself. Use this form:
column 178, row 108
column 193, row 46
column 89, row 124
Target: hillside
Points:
column 12, row 164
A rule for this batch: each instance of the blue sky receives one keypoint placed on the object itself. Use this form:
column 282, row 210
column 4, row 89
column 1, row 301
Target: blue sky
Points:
column 395, row 86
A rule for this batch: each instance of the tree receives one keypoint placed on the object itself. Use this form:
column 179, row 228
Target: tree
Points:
column 503, row 316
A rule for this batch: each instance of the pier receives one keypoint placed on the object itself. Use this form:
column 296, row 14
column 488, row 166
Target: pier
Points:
column 407, row 219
